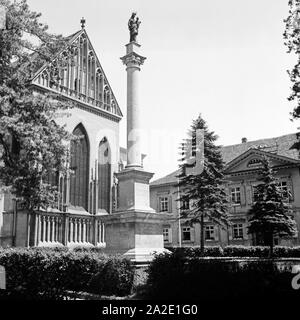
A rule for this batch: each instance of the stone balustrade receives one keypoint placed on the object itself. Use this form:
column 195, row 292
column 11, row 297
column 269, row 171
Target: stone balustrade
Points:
column 68, row 229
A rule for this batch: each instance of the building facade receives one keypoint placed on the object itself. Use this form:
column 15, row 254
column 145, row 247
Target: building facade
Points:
column 87, row 193
column 243, row 162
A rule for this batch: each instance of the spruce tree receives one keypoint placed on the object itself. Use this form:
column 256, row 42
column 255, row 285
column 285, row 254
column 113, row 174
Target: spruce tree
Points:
column 32, row 144
column 205, row 192
column 269, row 215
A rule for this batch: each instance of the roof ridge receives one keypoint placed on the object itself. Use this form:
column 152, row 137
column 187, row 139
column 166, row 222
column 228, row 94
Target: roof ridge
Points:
column 252, row 141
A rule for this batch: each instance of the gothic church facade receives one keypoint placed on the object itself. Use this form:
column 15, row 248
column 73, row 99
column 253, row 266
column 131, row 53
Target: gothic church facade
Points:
column 88, row 192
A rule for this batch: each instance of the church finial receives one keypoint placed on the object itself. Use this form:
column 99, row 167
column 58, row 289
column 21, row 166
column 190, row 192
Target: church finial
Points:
column 82, row 21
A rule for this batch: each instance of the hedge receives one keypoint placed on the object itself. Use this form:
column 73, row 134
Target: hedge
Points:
column 49, row 273
column 174, row 276
column 238, row 251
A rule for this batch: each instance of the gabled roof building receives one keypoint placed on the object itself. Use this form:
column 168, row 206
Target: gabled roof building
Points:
column 243, row 162
column 88, row 193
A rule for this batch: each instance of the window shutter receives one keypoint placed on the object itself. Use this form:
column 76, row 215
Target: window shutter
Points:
column 192, row 234
column 227, row 192
column 243, row 196
column 216, row 233
column 170, row 205
column 157, row 205
column 170, row 235
column 249, row 195
column 230, row 232
column 245, row 231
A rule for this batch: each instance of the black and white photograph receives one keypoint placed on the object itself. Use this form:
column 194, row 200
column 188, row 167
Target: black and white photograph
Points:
column 149, row 155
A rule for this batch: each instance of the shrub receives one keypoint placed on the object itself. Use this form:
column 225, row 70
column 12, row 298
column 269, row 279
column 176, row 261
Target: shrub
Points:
column 41, row 273
column 213, row 251
column 174, row 276
column 116, row 277
column 246, row 251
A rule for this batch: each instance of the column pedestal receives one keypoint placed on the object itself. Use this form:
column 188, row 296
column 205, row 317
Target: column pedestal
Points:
column 136, row 235
column 134, row 230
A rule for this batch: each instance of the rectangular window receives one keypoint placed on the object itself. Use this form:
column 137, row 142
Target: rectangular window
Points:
column 235, row 194
column 185, row 204
column 167, row 235
column 209, row 232
column 284, row 190
column 255, row 194
column 186, row 234
column 238, row 231
column 163, row 204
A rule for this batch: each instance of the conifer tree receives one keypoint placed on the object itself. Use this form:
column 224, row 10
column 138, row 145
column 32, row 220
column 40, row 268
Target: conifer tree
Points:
column 269, row 215
column 205, row 192
column 32, row 144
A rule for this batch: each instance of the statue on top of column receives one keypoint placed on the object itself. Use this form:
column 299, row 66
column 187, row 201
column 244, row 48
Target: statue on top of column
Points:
column 133, row 26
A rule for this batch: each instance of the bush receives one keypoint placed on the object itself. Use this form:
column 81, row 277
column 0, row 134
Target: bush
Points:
column 238, row 251
column 213, row 251
column 115, row 278
column 41, row 273
column 175, row 276
column 246, row 251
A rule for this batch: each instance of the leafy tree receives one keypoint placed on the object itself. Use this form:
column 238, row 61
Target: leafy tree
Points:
column 205, row 191
column 270, row 213
column 32, row 145
column 292, row 41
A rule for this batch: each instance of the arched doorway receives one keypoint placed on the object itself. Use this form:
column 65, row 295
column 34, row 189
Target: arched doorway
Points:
column 79, row 179
column 104, row 175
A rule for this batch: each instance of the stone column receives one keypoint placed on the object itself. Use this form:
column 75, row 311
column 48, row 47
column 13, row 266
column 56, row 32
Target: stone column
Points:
column 133, row 61
column 134, row 229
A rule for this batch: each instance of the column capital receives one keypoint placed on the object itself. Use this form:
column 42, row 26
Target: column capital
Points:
column 133, row 60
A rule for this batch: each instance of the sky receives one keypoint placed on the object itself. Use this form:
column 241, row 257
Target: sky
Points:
column 223, row 59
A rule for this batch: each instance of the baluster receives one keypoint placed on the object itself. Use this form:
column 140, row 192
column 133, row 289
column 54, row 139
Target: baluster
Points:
column 84, row 231
column 76, row 230
column 99, row 231
column 48, row 229
column 44, row 229
column 80, row 230
column 39, row 229
column 53, row 229
column 103, row 232
column 71, row 229
column 88, row 230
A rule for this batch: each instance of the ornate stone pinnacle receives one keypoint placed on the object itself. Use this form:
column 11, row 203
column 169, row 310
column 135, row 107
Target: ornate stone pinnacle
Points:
column 82, row 21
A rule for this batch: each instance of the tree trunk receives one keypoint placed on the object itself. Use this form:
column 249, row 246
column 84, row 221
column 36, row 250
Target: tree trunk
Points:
column 202, row 234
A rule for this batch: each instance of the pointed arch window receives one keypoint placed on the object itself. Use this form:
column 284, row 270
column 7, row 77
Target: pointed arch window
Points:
column 104, row 175
column 80, row 166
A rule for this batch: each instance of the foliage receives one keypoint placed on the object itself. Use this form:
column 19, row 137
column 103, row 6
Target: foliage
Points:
column 173, row 276
column 213, row 251
column 32, row 144
column 292, row 41
column 270, row 214
column 204, row 192
column 238, row 251
column 116, row 278
column 39, row 273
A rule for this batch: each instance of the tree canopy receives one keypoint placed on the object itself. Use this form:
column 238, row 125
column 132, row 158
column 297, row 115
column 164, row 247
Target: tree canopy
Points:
column 205, row 192
column 33, row 146
column 270, row 213
column 292, row 41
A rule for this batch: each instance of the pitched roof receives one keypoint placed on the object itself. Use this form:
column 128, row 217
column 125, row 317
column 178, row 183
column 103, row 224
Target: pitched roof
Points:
column 282, row 146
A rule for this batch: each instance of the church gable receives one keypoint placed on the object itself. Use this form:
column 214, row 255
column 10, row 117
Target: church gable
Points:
column 78, row 74
column 251, row 160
